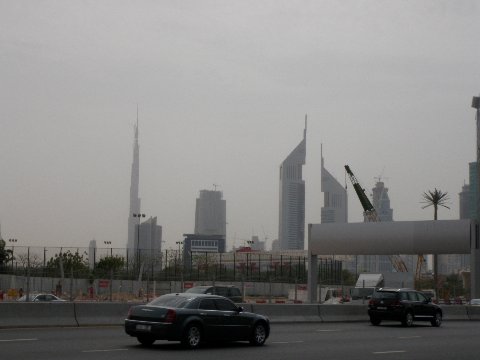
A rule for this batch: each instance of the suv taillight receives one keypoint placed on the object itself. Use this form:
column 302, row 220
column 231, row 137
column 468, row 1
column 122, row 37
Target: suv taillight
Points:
column 171, row 316
column 397, row 303
column 371, row 302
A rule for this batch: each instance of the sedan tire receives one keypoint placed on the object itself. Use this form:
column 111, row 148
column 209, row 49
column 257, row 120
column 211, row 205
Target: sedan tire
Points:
column 259, row 334
column 437, row 320
column 145, row 340
column 193, row 336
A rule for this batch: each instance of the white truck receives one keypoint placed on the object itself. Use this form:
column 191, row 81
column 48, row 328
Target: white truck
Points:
column 366, row 285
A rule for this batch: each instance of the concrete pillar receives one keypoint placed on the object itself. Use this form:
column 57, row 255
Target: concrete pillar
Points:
column 474, row 258
column 475, row 264
column 312, row 278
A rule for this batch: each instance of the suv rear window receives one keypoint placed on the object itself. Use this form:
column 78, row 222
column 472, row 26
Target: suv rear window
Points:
column 384, row 295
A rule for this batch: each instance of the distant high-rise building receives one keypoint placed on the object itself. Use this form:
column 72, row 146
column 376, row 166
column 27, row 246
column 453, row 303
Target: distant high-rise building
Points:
column 148, row 243
column 473, row 189
column 335, row 201
column 455, row 263
column 381, row 203
column 291, row 224
column 464, row 202
column 275, row 245
column 134, row 199
column 210, row 213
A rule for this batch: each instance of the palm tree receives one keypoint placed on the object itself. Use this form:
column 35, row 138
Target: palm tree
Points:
column 435, row 198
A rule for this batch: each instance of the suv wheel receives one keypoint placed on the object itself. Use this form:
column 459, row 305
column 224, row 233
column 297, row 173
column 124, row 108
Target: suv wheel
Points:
column 408, row 319
column 437, row 320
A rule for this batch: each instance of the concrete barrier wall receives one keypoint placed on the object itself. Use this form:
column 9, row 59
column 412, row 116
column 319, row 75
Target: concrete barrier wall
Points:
column 37, row 314
column 101, row 313
column 473, row 312
column 455, row 312
column 84, row 314
column 288, row 312
column 345, row 313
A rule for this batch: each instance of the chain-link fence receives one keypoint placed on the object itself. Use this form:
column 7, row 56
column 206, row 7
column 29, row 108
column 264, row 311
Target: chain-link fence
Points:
column 139, row 270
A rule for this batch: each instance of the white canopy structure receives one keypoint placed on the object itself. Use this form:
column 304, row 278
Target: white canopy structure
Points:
column 390, row 238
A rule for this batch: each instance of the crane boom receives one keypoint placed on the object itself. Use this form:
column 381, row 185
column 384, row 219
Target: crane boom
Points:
column 369, row 211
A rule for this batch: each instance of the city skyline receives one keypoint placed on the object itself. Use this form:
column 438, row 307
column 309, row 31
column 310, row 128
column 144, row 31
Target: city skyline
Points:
column 222, row 89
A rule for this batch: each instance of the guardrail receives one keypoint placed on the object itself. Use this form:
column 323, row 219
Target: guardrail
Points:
column 15, row 315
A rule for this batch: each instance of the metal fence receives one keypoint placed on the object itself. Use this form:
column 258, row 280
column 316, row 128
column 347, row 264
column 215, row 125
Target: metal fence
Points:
column 168, row 265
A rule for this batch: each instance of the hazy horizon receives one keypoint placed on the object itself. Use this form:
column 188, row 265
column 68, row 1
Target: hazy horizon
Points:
column 222, row 89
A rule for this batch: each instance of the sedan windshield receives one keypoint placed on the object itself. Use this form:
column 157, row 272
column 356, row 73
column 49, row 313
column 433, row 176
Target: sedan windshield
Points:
column 172, row 301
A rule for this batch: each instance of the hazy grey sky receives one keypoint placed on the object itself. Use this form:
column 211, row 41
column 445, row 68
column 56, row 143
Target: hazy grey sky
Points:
column 222, row 89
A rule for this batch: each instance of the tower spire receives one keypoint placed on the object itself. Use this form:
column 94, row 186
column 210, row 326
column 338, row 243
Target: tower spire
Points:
column 305, row 131
column 136, row 127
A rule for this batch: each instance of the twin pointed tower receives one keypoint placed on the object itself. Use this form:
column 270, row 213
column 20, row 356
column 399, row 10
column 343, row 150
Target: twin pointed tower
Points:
column 291, row 222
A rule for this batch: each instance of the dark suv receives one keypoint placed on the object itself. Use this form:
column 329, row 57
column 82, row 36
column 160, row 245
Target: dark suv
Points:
column 403, row 305
column 229, row 291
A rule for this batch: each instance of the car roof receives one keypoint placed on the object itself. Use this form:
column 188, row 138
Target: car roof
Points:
column 395, row 289
column 196, row 295
column 210, row 286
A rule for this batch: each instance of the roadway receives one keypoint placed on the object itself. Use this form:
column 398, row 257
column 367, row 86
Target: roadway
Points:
column 360, row 341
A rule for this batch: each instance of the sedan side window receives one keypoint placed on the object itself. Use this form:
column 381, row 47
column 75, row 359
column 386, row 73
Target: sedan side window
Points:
column 207, row 304
column 225, row 305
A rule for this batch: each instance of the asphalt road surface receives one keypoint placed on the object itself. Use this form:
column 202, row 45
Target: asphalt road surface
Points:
column 453, row 340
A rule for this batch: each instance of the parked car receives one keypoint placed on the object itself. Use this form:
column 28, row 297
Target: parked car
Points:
column 40, row 297
column 475, row 302
column 195, row 318
column 229, row 291
column 403, row 305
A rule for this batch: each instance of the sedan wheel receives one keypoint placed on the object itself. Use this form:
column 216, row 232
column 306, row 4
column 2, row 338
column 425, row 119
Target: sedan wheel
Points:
column 437, row 320
column 192, row 337
column 408, row 320
column 145, row 340
column 375, row 321
column 259, row 335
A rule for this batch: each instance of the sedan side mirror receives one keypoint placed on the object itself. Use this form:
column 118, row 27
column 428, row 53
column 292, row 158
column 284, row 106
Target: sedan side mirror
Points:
column 240, row 309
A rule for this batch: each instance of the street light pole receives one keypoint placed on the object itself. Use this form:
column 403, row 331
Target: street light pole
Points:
column 13, row 241
column 110, row 245
column 180, row 260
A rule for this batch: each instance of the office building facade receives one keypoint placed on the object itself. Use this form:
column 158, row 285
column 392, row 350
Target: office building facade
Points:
column 210, row 213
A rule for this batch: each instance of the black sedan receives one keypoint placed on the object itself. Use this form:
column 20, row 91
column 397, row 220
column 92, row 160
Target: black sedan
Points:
column 193, row 319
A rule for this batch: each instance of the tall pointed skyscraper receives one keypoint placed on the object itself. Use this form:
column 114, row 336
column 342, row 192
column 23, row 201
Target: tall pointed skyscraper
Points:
column 291, row 224
column 134, row 199
column 334, row 208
